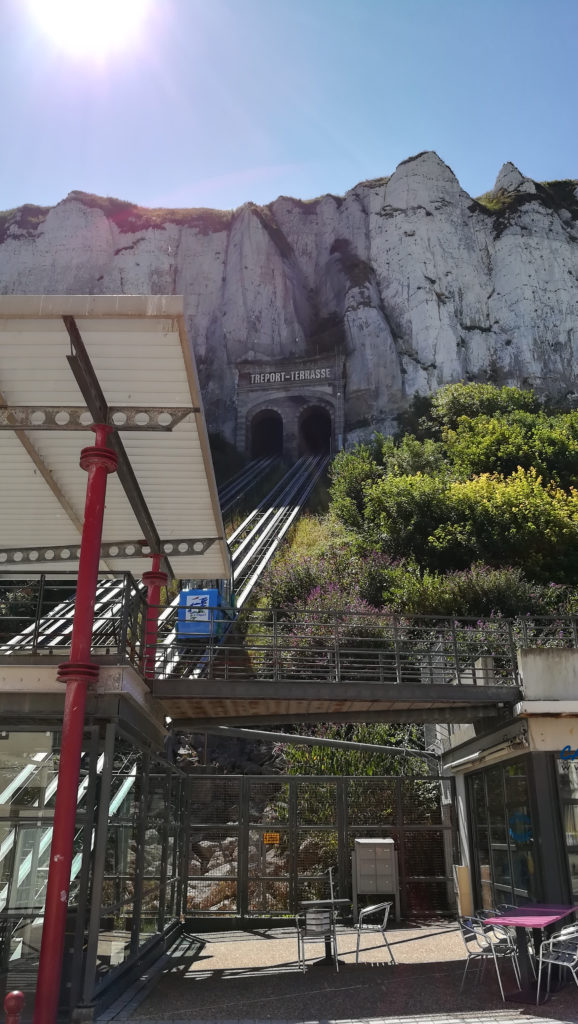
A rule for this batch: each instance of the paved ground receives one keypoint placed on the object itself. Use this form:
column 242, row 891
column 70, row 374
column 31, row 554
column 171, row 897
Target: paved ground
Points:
column 253, row 978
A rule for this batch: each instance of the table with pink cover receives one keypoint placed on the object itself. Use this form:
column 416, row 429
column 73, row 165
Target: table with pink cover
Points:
column 536, row 916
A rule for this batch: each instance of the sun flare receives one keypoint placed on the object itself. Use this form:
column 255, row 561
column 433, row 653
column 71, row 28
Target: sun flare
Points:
column 91, row 28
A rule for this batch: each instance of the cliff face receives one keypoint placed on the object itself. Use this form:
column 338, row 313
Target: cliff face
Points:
column 414, row 280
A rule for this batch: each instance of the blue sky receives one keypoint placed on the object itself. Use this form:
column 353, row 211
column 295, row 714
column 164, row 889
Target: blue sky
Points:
column 222, row 101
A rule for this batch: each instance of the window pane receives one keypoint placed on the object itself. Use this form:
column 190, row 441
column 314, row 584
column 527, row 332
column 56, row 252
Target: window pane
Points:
column 501, row 866
column 479, row 807
column 568, row 776
column 524, row 872
column 483, row 858
column 496, row 810
column 571, row 824
column 516, row 790
column 573, row 858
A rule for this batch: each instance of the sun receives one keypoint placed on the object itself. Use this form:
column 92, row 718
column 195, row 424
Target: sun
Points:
column 91, row 28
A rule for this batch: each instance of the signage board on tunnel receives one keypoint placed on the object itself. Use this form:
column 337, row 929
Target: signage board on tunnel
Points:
column 291, row 375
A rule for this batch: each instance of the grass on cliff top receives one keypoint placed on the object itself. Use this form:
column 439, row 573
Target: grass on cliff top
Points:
column 128, row 217
column 27, row 219
column 556, row 195
column 496, row 202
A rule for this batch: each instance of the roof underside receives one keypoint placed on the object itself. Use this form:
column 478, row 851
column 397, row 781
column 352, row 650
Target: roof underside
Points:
column 142, row 357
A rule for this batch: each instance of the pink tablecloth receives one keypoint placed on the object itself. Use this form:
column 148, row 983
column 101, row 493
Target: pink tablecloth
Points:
column 535, row 916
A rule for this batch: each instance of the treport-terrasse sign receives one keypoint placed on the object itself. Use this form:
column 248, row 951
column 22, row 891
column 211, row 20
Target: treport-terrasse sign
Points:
column 291, row 376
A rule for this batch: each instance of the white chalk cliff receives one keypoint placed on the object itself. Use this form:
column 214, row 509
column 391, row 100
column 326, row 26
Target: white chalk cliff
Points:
column 418, row 283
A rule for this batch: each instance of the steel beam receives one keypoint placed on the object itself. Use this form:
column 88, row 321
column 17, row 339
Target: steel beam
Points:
column 60, row 554
column 220, row 688
column 93, row 395
column 78, row 417
column 98, row 868
column 78, row 961
column 410, row 715
column 298, row 740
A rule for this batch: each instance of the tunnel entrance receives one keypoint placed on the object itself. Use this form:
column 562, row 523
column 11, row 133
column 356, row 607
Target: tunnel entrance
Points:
column 315, row 431
column 266, row 434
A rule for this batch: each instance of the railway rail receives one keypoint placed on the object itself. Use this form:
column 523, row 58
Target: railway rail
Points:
column 234, row 490
column 118, row 612
column 253, row 545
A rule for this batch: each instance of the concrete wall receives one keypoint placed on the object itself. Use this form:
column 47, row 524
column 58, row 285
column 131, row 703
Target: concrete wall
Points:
column 549, row 673
column 549, row 733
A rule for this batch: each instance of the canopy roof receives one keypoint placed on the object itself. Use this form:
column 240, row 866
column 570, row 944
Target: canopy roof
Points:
column 88, row 353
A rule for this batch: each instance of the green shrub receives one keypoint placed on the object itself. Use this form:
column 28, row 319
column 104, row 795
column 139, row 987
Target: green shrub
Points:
column 336, row 761
column 480, row 590
column 500, row 444
column 502, row 521
column 457, row 400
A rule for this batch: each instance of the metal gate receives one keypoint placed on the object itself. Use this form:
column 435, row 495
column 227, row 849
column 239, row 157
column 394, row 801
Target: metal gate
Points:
column 258, row 845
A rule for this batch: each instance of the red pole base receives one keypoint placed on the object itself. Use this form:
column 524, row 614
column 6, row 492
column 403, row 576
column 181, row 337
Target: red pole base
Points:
column 13, row 1006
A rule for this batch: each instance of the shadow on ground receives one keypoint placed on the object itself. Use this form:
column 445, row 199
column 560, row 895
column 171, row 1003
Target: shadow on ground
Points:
column 279, row 991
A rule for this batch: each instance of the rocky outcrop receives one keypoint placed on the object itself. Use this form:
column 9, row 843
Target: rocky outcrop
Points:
column 418, row 283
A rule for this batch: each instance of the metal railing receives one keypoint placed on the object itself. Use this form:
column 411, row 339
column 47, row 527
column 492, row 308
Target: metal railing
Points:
column 372, row 647
column 277, row 645
column 36, row 617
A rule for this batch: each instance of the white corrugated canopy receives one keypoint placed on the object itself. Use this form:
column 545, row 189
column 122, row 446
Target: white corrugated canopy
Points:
column 142, row 357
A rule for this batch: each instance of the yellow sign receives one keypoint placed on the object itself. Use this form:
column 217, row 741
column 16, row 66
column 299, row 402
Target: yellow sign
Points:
column 271, row 838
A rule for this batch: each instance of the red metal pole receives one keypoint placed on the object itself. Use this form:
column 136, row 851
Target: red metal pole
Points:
column 99, row 461
column 154, row 580
column 13, row 1006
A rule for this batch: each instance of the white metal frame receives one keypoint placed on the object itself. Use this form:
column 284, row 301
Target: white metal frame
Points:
column 315, row 924
column 364, row 928
column 560, row 949
column 484, row 948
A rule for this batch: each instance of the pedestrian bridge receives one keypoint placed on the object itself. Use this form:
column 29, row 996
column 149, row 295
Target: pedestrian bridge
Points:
column 280, row 665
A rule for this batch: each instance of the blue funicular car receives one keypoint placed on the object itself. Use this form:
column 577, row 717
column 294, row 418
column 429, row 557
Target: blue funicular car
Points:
column 206, row 611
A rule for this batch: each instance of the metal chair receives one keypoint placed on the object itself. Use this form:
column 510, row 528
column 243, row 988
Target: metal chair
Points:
column 505, row 931
column 479, row 946
column 499, row 931
column 560, row 949
column 363, row 926
column 314, row 925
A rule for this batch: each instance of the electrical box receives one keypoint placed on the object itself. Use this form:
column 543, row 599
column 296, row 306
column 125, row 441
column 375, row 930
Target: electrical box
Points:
column 375, row 872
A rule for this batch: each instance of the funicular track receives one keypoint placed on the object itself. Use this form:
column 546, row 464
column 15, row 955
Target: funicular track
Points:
column 52, row 632
column 119, row 607
column 253, row 544
column 255, row 541
column 234, row 490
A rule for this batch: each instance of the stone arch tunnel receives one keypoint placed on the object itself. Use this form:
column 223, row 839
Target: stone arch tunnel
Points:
column 266, row 434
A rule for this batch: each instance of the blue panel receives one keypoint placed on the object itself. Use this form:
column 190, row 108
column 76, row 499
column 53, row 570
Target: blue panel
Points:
column 200, row 613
